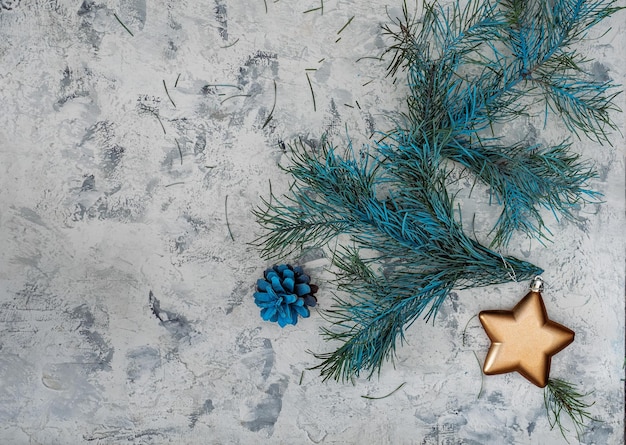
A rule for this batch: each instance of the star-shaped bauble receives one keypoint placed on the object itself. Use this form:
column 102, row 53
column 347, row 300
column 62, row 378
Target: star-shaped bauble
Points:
column 524, row 339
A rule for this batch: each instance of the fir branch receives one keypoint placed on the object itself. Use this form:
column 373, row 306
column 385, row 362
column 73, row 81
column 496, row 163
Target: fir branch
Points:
column 562, row 397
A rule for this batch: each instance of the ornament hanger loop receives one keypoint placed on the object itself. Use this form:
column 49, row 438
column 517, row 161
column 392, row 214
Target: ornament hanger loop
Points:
column 536, row 285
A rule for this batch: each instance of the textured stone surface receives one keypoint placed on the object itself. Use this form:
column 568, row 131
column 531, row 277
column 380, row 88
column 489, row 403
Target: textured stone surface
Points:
column 126, row 311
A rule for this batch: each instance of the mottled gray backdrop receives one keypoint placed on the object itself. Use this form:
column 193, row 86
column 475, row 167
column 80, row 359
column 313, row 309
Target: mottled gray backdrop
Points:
column 126, row 311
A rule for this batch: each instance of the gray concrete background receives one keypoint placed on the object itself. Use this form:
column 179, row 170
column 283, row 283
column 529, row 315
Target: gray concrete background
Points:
column 99, row 208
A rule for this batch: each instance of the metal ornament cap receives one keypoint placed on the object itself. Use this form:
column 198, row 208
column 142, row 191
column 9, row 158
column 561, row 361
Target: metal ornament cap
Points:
column 536, row 285
column 524, row 339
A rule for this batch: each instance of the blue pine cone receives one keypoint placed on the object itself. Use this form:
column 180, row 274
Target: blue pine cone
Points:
column 284, row 293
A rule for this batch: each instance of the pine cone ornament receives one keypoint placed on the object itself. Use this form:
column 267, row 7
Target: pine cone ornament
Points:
column 284, row 293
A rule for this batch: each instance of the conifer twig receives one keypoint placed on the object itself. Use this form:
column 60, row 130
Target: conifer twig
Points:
column 562, row 397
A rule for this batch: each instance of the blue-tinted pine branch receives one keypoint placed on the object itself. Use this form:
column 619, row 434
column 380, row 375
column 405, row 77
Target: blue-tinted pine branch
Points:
column 466, row 84
column 468, row 68
column 554, row 177
column 410, row 230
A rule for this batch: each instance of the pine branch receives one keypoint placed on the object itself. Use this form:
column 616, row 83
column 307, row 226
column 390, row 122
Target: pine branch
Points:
column 468, row 68
column 585, row 106
column 471, row 90
column 561, row 397
column 326, row 200
column 410, row 230
column 524, row 179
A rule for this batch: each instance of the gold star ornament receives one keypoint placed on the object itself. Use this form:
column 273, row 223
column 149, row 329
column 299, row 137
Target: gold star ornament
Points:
column 524, row 339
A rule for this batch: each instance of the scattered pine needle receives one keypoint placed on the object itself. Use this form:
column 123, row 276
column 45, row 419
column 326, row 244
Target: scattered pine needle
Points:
column 312, row 93
column 357, row 104
column 168, row 93
column 482, row 376
column 180, row 152
column 348, row 105
column 155, row 114
column 271, row 115
column 336, row 41
column 271, row 196
column 226, row 214
column 236, row 95
column 265, row 3
column 124, row 26
column 174, row 183
column 223, row 85
column 321, row 60
column 369, row 57
column 465, row 328
column 346, row 25
column 368, row 82
column 230, row 44
column 319, row 8
column 160, row 122
column 382, row 397
column 176, row 83
column 301, row 377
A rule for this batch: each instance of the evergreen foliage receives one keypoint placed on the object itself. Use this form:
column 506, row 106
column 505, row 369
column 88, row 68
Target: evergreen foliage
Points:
column 469, row 69
column 561, row 397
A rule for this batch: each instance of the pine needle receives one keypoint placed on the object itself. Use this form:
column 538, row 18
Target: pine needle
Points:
column 271, row 115
column 385, row 396
column 168, row 93
column 234, row 96
column 153, row 112
column 230, row 44
column 177, row 79
column 346, row 25
column 482, row 376
column 223, row 85
column 368, row 57
column 180, row 152
column 226, row 216
column 123, row 25
column 320, row 8
column 312, row 93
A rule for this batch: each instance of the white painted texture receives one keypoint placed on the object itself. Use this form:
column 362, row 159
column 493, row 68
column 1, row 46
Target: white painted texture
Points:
column 97, row 210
